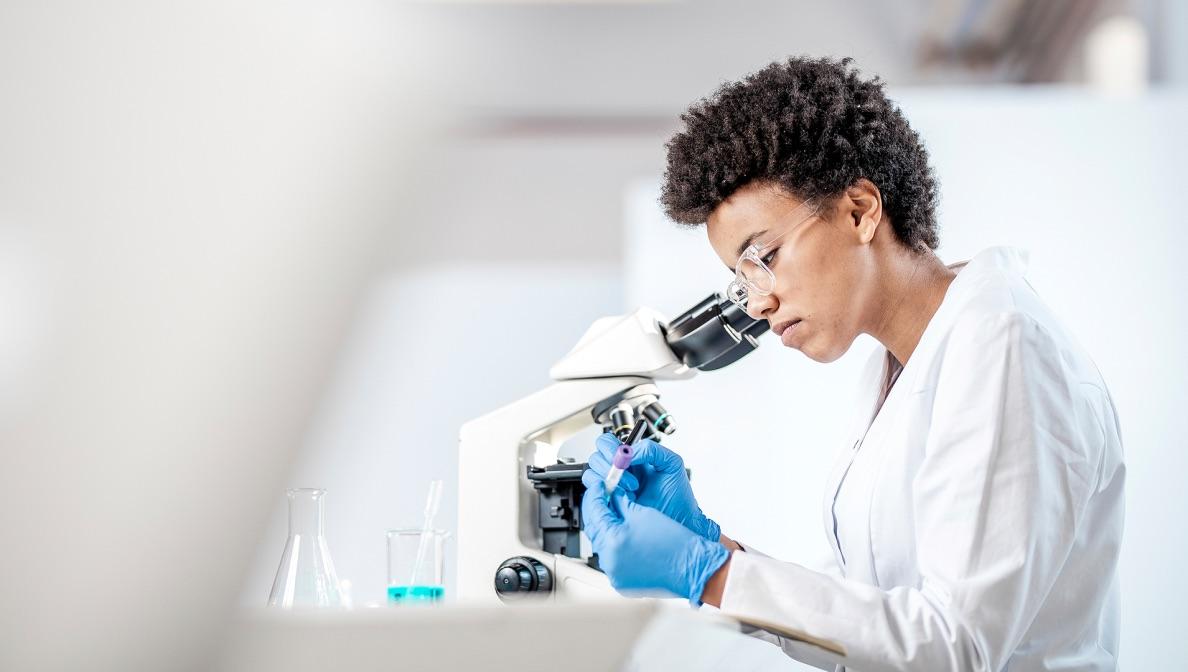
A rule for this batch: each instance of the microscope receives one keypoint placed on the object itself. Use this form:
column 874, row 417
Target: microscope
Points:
column 519, row 505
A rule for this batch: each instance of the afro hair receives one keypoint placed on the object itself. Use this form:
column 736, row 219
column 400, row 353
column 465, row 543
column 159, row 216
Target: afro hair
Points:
column 811, row 126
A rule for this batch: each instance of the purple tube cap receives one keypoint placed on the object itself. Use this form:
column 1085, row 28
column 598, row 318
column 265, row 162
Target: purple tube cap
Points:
column 623, row 456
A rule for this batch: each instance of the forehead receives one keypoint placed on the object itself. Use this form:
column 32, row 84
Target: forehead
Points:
column 746, row 217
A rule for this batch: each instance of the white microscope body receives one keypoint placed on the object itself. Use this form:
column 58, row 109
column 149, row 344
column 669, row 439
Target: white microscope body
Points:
column 519, row 513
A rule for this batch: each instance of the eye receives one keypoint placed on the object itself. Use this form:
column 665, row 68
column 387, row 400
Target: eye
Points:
column 770, row 256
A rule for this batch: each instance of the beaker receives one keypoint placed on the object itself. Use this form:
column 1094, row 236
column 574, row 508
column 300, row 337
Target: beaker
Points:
column 416, row 565
column 306, row 576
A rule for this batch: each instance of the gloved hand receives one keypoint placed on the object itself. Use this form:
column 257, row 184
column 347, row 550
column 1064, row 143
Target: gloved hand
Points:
column 657, row 479
column 642, row 550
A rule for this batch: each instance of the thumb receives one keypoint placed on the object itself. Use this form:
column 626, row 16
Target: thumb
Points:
column 607, row 443
column 663, row 459
column 621, row 502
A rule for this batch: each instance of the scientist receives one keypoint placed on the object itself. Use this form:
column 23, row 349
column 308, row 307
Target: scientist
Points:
column 976, row 515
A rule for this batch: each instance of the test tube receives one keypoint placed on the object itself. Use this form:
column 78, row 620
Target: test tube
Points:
column 623, row 456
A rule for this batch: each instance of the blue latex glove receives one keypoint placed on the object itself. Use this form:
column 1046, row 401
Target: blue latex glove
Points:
column 642, row 550
column 657, row 479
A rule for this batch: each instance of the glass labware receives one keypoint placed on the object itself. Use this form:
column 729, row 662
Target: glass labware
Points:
column 306, row 576
column 416, row 565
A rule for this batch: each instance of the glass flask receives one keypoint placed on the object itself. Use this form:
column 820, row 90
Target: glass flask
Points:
column 306, row 576
column 416, row 563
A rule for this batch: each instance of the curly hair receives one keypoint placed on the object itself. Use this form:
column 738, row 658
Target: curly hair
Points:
column 811, row 126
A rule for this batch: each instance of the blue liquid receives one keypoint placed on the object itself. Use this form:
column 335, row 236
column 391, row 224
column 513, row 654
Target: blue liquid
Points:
column 422, row 594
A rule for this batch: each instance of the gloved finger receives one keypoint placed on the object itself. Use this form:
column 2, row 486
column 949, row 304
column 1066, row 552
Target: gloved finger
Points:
column 621, row 503
column 641, row 471
column 596, row 511
column 592, row 480
column 590, row 475
column 648, row 452
column 601, row 459
column 606, row 445
column 600, row 466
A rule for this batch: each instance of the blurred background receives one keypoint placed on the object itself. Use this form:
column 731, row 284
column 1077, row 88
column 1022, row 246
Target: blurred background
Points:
column 246, row 246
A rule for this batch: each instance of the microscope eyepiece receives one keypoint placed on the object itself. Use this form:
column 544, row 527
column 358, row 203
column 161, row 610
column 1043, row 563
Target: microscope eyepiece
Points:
column 713, row 334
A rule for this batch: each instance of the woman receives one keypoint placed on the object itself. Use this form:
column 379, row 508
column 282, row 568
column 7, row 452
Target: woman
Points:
column 976, row 517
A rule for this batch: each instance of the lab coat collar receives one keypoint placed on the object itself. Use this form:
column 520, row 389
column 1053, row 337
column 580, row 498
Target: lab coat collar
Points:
column 1002, row 261
column 1013, row 260
column 1010, row 261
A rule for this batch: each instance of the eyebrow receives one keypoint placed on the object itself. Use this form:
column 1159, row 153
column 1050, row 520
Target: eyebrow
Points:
column 745, row 244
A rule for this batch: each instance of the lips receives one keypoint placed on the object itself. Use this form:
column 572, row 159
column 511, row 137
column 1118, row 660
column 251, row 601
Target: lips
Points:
column 779, row 327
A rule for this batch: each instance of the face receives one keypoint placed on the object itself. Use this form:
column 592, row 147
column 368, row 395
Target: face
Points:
column 823, row 268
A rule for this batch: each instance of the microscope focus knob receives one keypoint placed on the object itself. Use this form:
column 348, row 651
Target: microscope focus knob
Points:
column 522, row 576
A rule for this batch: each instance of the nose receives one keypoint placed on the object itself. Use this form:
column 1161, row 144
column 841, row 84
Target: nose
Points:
column 758, row 305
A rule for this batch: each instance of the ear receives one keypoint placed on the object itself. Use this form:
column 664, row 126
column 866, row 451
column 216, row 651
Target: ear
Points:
column 863, row 205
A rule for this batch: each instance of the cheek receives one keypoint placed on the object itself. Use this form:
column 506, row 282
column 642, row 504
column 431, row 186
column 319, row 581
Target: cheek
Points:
column 823, row 291
column 826, row 296
column 836, row 320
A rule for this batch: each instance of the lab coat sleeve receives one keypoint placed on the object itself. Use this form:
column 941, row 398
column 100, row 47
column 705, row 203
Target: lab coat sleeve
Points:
column 824, row 563
column 1003, row 485
column 747, row 548
column 802, row 652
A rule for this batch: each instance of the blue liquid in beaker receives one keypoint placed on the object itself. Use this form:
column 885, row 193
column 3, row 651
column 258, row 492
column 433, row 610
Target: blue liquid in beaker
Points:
column 422, row 594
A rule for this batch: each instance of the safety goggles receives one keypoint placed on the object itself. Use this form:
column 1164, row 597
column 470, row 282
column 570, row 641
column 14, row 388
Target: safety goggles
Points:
column 752, row 276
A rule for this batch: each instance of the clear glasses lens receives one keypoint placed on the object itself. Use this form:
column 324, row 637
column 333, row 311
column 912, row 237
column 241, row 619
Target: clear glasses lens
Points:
column 751, row 276
column 757, row 277
column 737, row 293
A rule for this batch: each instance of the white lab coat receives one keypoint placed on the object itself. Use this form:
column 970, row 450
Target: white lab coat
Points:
column 976, row 516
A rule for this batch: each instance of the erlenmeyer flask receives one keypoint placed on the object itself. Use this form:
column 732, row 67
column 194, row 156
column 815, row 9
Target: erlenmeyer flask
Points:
column 306, row 576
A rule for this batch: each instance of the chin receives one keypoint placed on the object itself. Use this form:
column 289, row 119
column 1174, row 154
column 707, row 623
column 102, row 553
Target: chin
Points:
column 825, row 353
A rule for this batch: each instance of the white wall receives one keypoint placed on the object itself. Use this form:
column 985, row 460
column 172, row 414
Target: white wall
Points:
column 1091, row 187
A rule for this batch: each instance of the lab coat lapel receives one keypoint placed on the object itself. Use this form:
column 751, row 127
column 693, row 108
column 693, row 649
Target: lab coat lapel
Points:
column 864, row 415
column 860, row 482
